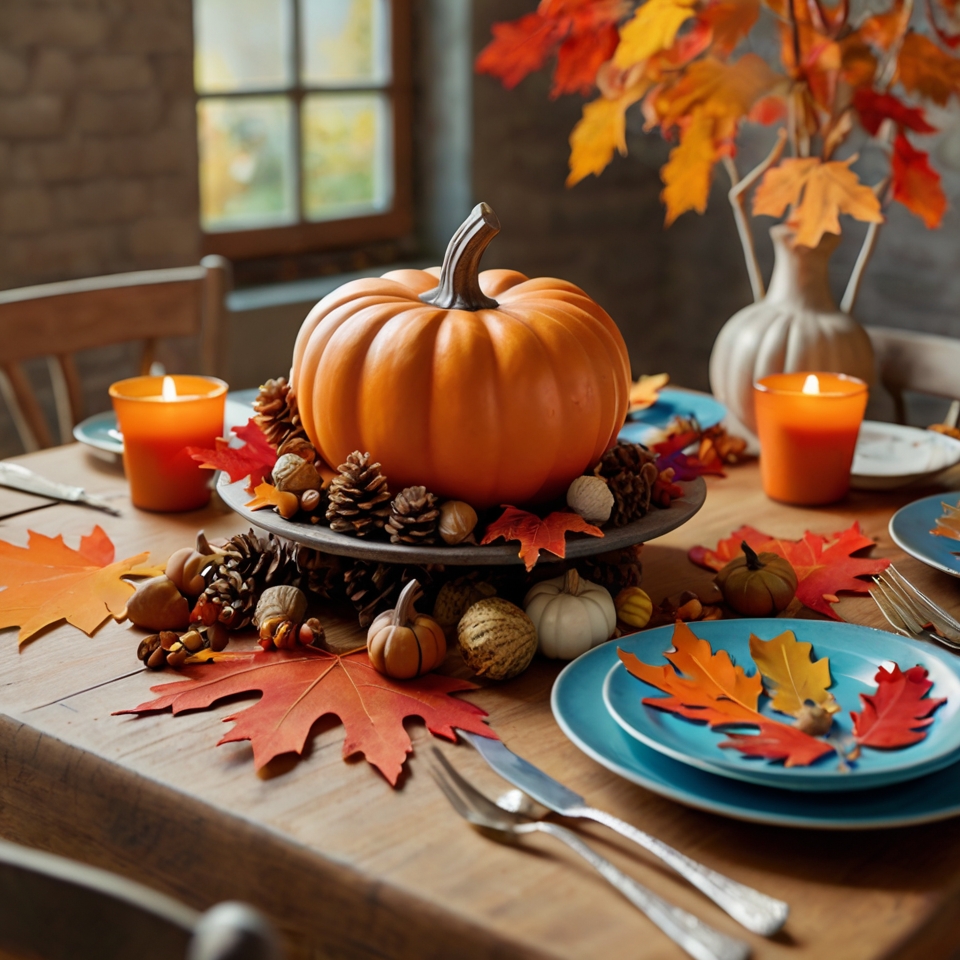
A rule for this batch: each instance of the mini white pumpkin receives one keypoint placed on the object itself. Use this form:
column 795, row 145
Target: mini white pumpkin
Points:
column 571, row 615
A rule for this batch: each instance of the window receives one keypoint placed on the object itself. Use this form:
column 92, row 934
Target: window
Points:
column 303, row 122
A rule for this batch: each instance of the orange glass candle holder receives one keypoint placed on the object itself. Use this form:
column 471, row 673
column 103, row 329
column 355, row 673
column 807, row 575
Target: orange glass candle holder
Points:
column 808, row 425
column 159, row 417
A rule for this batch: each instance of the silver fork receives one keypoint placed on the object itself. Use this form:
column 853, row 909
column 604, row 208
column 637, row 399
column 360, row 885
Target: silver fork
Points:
column 924, row 607
column 902, row 617
column 697, row 938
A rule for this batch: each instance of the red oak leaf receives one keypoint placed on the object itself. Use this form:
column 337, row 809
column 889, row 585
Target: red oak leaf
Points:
column 875, row 107
column 301, row 686
column 778, row 741
column 519, row 47
column 899, row 713
column 916, row 184
column 825, row 565
column 536, row 534
column 255, row 459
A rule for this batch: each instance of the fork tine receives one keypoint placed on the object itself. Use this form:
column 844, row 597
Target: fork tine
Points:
column 471, row 795
column 880, row 599
column 926, row 606
column 901, row 606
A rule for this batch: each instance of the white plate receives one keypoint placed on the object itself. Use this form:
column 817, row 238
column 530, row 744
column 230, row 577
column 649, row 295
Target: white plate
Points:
column 890, row 455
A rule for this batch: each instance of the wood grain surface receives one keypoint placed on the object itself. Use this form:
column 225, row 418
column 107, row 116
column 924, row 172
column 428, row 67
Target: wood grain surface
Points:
column 349, row 868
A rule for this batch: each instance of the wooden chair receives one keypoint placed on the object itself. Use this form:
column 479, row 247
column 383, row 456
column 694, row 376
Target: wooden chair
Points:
column 922, row 362
column 56, row 909
column 56, row 320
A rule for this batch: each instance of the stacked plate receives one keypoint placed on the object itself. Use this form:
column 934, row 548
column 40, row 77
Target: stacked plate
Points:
column 599, row 707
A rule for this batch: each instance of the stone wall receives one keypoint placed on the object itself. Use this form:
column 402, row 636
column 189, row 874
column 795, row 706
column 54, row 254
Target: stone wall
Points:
column 98, row 157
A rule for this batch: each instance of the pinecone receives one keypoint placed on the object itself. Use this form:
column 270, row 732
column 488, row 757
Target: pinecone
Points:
column 276, row 412
column 320, row 573
column 413, row 517
column 230, row 599
column 374, row 587
column 630, row 471
column 615, row 569
column 359, row 498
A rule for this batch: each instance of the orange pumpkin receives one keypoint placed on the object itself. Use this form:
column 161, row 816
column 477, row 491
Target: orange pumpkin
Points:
column 403, row 643
column 487, row 387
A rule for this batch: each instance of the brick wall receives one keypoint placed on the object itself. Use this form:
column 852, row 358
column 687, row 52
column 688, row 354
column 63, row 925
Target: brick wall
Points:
column 98, row 158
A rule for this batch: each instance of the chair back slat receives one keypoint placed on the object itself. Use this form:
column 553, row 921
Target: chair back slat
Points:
column 32, row 414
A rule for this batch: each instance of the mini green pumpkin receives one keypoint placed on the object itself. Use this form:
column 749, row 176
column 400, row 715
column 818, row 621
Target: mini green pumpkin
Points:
column 758, row 585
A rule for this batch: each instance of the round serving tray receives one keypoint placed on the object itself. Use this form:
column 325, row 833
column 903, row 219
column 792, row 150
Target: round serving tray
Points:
column 654, row 524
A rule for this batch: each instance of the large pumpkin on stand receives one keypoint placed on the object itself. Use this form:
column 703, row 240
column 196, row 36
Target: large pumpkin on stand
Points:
column 485, row 387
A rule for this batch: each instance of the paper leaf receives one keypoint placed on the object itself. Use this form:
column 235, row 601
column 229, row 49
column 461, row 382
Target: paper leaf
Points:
column 299, row 687
column 928, row 71
column 948, row 525
column 267, row 495
column 645, row 391
column 778, row 741
column 916, row 184
column 899, row 712
column 255, row 459
column 792, row 675
column 874, row 108
column 535, row 534
column 825, row 565
column 686, row 174
column 653, row 28
column 820, row 192
column 47, row 581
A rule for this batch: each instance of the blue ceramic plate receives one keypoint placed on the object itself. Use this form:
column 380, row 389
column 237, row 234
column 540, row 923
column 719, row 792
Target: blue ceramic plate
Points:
column 577, row 702
column 854, row 652
column 645, row 424
column 910, row 530
column 100, row 431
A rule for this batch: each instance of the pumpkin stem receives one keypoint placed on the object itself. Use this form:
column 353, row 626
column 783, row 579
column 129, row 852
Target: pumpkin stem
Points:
column 753, row 561
column 203, row 545
column 459, row 287
column 408, row 596
column 571, row 582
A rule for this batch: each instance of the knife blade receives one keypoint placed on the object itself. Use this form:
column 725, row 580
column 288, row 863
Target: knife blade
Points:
column 20, row 478
column 755, row 910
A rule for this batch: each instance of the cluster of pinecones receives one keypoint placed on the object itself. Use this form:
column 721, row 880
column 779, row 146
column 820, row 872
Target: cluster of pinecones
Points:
column 631, row 472
column 276, row 413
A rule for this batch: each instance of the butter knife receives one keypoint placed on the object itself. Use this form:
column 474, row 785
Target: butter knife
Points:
column 755, row 910
column 20, row 478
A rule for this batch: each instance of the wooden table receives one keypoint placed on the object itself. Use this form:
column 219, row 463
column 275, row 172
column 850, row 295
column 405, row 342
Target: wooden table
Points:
column 347, row 867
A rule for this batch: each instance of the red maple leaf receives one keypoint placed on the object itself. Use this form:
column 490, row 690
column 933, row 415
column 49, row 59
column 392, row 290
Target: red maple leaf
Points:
column 778, row 741
column 301, row 686
column 825, row 565
column 875, row 107
column 899, row 713
column 255, row 459
column 916, row 184
column 536, row 534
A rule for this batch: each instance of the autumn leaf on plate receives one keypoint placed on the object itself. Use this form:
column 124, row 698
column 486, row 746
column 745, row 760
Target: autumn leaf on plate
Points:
column 255, row 459
column 646, row 390
column 535, row 534
column 825, row 565
column 653, row 28
column 899, row 713
column 777, row 741
column 267, row 495
column 916, row 184
column 793, row 676
column 820, row 192
column 47, row 581
column 948, row 525
column 299, row 687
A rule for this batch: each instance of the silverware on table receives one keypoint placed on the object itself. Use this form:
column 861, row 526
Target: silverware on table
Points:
column 20, row 478
column 901, row 613
column 687, row 931
column 925, row 609
column 755, row 910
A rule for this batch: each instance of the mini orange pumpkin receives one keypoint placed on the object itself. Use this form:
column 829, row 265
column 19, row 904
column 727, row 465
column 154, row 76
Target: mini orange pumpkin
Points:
column 485, row 387
column 403, row 643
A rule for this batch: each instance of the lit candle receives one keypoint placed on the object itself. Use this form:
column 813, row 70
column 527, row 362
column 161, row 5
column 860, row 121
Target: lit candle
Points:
column 808, row 424
column 159, row 417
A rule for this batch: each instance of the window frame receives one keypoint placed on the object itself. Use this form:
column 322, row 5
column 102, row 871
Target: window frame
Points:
column 315, row 237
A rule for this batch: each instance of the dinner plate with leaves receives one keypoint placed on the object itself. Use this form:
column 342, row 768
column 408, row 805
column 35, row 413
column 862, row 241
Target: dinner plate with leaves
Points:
column 795, row 704
column 929, row 530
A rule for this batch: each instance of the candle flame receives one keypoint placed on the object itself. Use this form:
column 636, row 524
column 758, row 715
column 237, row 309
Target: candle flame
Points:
column 169, row 389
column 811, row 384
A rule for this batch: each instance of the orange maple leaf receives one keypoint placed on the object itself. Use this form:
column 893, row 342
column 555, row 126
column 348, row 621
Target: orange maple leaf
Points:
column 916, row 184
column 301, row 686
column 820, row 192
column 925, row 69
column 535, row 534
column 882, row 30
column 47, row 581
column 686, row 175
column 730, row 21
column 653, row 28
column 267, row 495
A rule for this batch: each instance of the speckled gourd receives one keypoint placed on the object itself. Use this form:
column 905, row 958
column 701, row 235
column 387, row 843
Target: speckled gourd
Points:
column 496, row 639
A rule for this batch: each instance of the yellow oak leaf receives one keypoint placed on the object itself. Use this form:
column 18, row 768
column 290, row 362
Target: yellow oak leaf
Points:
column 600, row 131
column 820, row 191
column 686, row 175
column 792, row 673
column 653, row 28
column 926, row 70
column 47, row 581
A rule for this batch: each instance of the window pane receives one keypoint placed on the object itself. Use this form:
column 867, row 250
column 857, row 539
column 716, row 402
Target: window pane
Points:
column 242, row 45
column 247, row 176
column 347, row 155
column 345, row 42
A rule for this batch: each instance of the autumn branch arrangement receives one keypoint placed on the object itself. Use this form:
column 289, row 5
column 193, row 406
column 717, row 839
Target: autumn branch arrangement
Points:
column 687, row 65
